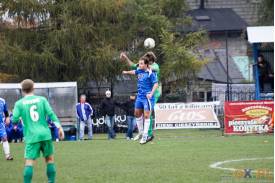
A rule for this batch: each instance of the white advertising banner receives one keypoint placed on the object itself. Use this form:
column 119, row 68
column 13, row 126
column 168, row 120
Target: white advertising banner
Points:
column 186, row 115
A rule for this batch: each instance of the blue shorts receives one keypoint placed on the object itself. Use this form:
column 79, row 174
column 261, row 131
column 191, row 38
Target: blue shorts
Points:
column 3, row 132
column 145, row 104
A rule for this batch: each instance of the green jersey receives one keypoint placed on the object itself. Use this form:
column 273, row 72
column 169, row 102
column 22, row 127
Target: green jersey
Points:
column 154, row 67
column 34, row 110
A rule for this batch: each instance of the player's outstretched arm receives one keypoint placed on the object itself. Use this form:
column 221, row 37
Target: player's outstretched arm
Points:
column 54, row 118
column 16, row 113
column 129, row 72
column 125, row 58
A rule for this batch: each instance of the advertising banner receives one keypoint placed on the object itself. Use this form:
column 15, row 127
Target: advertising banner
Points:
column 186, row 115
column 244, row 117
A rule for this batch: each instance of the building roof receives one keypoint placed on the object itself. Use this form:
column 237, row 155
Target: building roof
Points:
column 261, row 34
column 215, row 70
column 214, row 19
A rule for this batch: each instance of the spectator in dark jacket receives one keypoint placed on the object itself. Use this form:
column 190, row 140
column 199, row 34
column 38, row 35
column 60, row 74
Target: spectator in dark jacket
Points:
column 14, row 131
column 17, row 132
column 108, row 110
column 129, row 108
column 9, row 128
column 265, row 73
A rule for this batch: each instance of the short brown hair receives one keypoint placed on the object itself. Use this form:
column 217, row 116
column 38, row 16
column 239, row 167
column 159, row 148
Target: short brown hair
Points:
column 27, row 85
column 145, row 59
column 151, row 56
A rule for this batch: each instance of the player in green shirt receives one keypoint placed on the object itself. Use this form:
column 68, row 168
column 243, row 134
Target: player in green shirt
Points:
column 34, row 110
column 155, row 67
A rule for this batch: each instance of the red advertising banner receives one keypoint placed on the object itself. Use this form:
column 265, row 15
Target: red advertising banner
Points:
column 245, row 117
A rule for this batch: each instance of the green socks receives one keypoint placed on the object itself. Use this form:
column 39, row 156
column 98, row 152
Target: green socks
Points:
column 150, row 132
column 51, row 172
column 28, row 171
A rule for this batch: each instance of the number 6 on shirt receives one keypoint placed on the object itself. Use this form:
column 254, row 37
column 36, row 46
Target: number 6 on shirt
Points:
column 34, row 114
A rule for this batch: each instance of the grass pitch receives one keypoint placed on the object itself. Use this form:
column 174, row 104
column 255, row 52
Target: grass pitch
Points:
column 174, row 156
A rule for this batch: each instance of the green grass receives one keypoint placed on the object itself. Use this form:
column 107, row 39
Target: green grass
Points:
column 255, row 164
column 174, row 156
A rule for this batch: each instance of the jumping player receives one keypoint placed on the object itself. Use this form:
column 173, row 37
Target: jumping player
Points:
column 34, row 110
column 147, row 85
column 155, row 67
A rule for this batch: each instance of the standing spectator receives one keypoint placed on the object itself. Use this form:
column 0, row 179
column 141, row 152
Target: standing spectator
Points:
column 129, row 108
column 108, row 110
column 265, row 73
column 84, row 112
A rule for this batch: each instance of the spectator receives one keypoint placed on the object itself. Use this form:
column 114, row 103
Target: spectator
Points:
column 17, row 132
column 129, row 108
column 108, row 110
column 9, row 131
column 265, row 73
column 14, row 131
column 84, row 112
column 54, row 130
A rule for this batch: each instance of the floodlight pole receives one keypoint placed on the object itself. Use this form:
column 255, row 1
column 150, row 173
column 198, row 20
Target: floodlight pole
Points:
column 227, row 68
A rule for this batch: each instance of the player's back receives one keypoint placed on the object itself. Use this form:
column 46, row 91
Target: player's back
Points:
column 33, row 110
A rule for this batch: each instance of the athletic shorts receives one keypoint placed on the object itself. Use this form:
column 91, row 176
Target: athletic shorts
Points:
column 145, row 104
column 32, row 150
column 3, row 132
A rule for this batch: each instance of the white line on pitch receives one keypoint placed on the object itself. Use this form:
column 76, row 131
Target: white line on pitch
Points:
column 217, row 165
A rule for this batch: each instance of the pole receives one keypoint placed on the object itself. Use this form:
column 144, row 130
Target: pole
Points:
column 227, row 68
column 256, row 72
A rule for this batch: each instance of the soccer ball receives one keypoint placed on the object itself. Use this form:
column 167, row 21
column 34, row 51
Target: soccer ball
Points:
column 149, row 43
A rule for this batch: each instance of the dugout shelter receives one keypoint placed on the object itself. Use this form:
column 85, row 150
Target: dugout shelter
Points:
column 62, row 96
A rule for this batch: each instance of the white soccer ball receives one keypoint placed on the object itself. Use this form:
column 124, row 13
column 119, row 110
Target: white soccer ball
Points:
column 149, row 43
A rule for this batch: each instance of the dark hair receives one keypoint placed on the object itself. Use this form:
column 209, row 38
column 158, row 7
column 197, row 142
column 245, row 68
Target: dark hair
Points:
column 151, row 56
column 261, row 55
column 133, row 94
column 145, row 59
column 27, row 85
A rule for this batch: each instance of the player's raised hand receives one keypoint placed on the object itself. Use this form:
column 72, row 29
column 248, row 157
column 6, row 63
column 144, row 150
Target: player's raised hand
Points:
column 61, row 133
column 123, row 56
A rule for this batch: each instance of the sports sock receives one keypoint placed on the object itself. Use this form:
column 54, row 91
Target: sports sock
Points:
column 140, row 124
column 146, row 127
column 28, row 171
column 51, row 172
column 6, row 148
